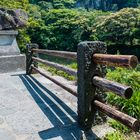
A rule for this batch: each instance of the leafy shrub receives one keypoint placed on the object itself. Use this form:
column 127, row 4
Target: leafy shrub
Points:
column 14, row 4
column 23, row 38
column 127, row 77
column 59, row 4
column 131, row 106
column 45, row 5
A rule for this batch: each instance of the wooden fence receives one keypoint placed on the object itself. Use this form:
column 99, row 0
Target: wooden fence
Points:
column 92, row 61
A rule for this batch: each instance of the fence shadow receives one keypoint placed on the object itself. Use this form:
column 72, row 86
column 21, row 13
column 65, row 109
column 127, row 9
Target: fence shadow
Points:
column 59, row 114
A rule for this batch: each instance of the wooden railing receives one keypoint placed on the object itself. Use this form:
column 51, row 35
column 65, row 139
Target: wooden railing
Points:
column 91, row 60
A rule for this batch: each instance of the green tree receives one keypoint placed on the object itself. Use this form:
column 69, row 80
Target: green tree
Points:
column 120, row 28
column 57, row 4
column 45, row 5
column 14, row 4
column 63, row 29
column 107, row 5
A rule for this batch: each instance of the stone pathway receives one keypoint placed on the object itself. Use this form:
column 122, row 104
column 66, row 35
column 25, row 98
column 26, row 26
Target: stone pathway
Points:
column 34, row 108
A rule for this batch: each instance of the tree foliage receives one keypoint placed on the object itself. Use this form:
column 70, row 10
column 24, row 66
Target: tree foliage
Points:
column 63, row 29
column 22, row 4
column 56, row 4
column 106, row 5
column 56, row 24
column 121, row 27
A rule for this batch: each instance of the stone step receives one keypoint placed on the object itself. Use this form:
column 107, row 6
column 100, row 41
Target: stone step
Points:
column 12, row 63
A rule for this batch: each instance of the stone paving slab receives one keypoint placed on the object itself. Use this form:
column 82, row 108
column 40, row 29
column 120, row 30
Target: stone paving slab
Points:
column 34, row 108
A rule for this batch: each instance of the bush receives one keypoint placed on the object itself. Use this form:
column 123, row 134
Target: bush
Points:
column 120, row 28
column 14, row 4
column 59, row 4
column 63, row 29
column 131, row 106
column 127, row 77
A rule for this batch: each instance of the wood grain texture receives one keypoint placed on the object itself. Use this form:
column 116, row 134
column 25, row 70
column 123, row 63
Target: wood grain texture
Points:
column 57, row 66
column 125, row 119
column 128, row 61
column 121, row 90
column 63, row 54
column 70, row 90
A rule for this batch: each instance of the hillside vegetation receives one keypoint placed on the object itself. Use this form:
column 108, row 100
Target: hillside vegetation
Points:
column 62, row 24
column 59, row 24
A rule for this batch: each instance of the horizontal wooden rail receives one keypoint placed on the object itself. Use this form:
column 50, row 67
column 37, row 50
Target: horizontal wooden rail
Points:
column 87, row 59
column 117, row 115
column 113, row 113
column 63, row 54
column 119, row 89
column 116, row 60
column 55, row 65
column 73, row 92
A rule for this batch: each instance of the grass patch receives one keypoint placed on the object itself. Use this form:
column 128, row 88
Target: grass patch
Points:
column 129, row 77
column 118, row 126
column 119, row 136
column 61, row 73
column 131, row 107
column 69, row 63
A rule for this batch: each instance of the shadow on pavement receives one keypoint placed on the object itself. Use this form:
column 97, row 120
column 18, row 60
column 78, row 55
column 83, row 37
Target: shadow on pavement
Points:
column 62, row 118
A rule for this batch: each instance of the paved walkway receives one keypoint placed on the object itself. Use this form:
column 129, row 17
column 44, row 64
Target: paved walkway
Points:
column 34, row 108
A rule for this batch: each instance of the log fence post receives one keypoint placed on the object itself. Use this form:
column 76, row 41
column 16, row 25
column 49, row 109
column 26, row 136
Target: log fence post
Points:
column 29, row 55
column 86, row 70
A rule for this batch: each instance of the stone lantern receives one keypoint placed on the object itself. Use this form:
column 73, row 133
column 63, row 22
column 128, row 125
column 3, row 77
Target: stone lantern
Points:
column 10, row 57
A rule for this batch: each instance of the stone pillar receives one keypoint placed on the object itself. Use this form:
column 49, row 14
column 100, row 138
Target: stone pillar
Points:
column 8, row 43
column 10, row 57
column 86, row 70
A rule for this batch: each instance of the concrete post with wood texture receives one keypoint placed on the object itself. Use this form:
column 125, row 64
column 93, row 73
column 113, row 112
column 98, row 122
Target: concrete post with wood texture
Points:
column 29, row 55
column 87, row 69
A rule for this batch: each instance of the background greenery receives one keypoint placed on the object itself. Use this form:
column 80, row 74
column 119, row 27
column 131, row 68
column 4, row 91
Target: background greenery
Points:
column 62, row 24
